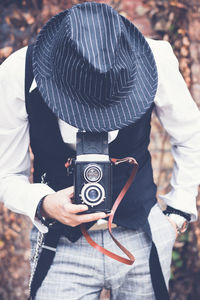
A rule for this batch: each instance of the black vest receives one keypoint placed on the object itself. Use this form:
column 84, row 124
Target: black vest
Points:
column 51, row 153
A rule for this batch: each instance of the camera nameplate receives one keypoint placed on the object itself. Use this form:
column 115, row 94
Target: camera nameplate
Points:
column 93, row 158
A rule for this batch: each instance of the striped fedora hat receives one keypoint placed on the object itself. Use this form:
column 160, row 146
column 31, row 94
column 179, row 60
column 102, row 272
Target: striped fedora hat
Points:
column 94, row 69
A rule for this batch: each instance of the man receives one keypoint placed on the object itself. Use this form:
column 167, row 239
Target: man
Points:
column 91, row 69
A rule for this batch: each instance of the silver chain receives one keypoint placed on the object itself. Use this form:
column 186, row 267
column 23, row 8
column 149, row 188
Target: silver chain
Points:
column 34, row 259
column 40, row 239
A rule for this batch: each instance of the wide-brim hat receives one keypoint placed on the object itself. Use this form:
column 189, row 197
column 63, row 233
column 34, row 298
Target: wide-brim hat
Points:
column 94, row 69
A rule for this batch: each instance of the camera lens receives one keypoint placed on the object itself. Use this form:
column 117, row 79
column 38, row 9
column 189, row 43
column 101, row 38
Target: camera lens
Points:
column 93, row 194
column 93, row 173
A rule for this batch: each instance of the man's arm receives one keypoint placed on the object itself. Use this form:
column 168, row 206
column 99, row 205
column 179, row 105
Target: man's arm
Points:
column 15, row 189
column 180, row 117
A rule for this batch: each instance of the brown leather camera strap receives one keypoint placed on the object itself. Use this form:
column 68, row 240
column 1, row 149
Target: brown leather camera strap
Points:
column 119, row 258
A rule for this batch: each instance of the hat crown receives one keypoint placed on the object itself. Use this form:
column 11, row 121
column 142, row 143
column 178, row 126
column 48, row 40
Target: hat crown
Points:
column 93, row 38
column 94, row 35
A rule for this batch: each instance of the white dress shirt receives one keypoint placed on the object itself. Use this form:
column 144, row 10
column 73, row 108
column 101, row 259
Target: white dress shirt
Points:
column 174, row 107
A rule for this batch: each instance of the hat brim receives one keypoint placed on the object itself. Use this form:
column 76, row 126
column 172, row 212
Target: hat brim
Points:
column 67, row 103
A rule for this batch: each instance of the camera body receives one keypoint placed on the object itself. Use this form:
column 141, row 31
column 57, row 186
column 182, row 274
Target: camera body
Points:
column 93, row 172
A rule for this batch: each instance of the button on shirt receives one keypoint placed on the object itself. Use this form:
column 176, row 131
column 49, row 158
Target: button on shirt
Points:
column 174, row 107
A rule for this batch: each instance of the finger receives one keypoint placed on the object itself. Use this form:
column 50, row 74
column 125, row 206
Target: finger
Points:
column 75, row 208
column 173, row 224
column 68, row 193
column 90, row 217
column 69, row 190
column 110, row 214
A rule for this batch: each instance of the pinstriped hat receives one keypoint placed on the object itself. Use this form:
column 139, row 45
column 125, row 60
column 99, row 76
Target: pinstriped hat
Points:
column 94, row 69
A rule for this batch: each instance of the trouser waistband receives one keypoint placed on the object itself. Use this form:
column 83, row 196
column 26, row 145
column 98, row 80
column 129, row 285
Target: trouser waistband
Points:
column 101, row 225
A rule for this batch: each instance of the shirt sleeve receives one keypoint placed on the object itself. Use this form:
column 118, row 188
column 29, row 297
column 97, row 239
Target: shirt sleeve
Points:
column 180, row 117
column 17, row 193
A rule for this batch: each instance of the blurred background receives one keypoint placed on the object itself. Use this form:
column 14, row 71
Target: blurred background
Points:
column 175, row 21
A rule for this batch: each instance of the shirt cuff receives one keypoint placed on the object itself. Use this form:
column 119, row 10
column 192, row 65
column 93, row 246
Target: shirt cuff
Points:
column 41, row 227
column 25, row 198
column 41, row 190
column 182, row 200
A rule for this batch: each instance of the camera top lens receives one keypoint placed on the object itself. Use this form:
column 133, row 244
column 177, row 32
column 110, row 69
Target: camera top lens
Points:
column 93, row 173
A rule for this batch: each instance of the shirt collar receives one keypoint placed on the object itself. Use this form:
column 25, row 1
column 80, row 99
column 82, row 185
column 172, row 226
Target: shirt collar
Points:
column 33, row 86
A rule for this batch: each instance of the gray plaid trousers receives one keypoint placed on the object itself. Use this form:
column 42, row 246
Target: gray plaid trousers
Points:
column 80, row 272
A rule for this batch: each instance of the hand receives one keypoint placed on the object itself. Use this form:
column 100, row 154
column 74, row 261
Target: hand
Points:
column 59, row 206
column 173, row 225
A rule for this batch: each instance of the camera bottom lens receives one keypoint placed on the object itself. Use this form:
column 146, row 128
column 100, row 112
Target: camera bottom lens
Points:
column 92, row 194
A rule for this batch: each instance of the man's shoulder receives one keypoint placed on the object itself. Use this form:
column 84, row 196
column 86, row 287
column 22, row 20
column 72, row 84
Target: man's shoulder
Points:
column 16, row 58
column 159, row 45
column 154, row 44
column 162, row 50
column 13, row 68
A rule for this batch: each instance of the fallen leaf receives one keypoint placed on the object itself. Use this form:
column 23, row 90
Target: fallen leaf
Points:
column 29, row 19
column 181, row 31
column 5, row 52
column 16, row 227
column 186, row 41
column 2, row 244
column 178, row 4
column 184, row 51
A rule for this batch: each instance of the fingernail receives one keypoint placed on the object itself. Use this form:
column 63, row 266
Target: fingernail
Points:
column 85, row 207
column 104, row 215
column 111, row 213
